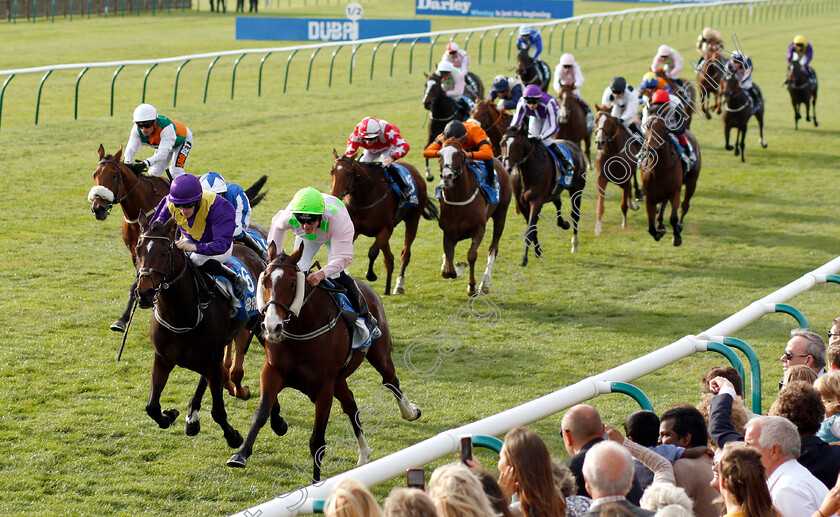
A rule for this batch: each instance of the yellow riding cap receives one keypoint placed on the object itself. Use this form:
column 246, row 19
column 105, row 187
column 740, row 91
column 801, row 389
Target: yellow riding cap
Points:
column 800, row 40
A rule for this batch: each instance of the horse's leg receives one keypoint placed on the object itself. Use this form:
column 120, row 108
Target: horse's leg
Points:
column 814, row 104
column 379, row 356
column 472, row 256
column 532, row 239
column 726, row 130
column 192, row 424
column 411, row 225
column 650, row 207
column 448, row 269
column 122, row 321
column 270, row 385
column 659, row 224
column 236, row 371
column 318, row 442
column 760, row 118
column 351, row 409
column 214, row 380
column 742, row 133
column 690, row 186
column 373, row 252
column 626, row 199
column 675, row 220
column 599, row 209
column 575, row 198
column 637, row 192
column 429, row 176
column 387, row 255
column 160, row 374
column 796, row 115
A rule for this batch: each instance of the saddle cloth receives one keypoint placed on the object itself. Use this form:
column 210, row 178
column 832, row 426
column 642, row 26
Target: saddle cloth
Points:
column 406, row 176
column 565, row 178
column 258, row 238
column 490, row 192
column 246, row 306
column 361, row 337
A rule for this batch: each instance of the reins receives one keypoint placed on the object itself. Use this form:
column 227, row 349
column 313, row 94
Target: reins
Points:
column 357, row 184
column 127, row 194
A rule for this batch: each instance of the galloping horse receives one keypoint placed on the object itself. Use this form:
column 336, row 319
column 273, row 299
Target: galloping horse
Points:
column 663, row 178
column 737, row 110
column 571, row 121
column 709, row 78
column 190, row 327
column 442, row 110
column 687, row 94
column 533, row 180
column 308, row 348
column 801, row 92
column 464, row 213
column 532, row 71
column 373, row 207
column 494, row 122
column 615, row 162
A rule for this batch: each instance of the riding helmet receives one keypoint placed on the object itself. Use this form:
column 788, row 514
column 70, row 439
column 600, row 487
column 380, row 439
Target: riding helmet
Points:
column 660, row 96
column 532, row 91
column 664, row 51
column 185, row 189
column 567, row 60
column 649, row 80
column 618, row 85
column 500, row 84
column 525, row 30
column 445, row 66
column 145, row 113
column 454, row 129
column 371, row 128
column 307, row 201
column 799, row 39
column 214, row 182
column 452, row 47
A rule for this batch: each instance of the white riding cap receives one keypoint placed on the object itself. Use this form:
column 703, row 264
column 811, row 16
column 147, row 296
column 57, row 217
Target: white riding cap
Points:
column 524, row 30
column 445, row 66
column 664, row 50
column 567, row 60
column 144, row 113
column 371, row 128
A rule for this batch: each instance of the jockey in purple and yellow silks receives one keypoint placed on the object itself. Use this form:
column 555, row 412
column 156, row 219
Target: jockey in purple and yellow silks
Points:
column 206, row 220
column 171, row 139
column 802, row 51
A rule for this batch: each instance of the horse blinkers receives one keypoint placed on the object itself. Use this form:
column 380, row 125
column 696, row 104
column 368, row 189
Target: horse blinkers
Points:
column 146, row 297
column 273, row 321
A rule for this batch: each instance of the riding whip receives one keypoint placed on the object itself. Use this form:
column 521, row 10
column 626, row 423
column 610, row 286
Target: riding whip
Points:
column 127, row 326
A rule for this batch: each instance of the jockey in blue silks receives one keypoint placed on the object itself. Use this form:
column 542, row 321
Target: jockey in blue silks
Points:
column 235, row 194
column 529, row 37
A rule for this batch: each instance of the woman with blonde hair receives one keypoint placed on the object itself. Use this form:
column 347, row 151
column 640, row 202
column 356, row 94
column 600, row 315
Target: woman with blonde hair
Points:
column 457, row 492
column 829, row 387
column 743, row 484
column 526, row 469
column 408, row 502
column 349, row 498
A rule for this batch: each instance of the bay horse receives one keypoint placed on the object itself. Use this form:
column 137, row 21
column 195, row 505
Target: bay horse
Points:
column 687, row 94
column 663, row 178
column 374, row 208
column 532, row 71
column 571, row 121
column 615, row 162
column 493, row 121
column 709, row 78
column 190, row 327
column 442, row 109
column 801, row 92
column 464, row 213
column 737, row 110
column 532, row 171
column 308, row 348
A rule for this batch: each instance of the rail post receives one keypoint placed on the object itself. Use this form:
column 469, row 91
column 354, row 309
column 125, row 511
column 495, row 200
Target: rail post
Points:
column 620, row 26
column 353, row 61
column 577, row 29
column 589, row 31
column 114, row 80
column 146, row 78
column 510, row 41
column 793, row 311
column 551, row 35
column 632, row 24
column 628, row 389
column 755, row 370
column 563, row 37
column 259, row 77
column 207, row 81
column 372, row 58
column 495, row 40
column 311, row 59
column 177, row 77
column 600, row 26
column 481, row 45
column 411, row 55
column 289, row 61
column 332, row 60
column 3, row 92
column 76, row 100
column 394, row 50
column 233, row 77
column 713, row 346
column 432, row 49
column 38, row 103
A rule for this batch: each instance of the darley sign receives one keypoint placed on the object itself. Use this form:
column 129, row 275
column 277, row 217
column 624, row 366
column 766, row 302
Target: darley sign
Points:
column 497, row 8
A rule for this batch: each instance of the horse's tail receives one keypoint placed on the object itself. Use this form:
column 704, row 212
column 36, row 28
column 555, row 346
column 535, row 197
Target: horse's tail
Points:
column 430, row 211
column 253, row 192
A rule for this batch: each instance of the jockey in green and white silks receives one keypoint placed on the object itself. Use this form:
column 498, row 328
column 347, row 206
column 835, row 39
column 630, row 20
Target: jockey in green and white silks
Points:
column 171, row 139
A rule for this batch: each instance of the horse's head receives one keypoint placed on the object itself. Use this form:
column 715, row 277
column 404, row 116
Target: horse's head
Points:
column 565, row 99
column 795, row 74
column 156, row 257
column 108, row 184
column 607, row 127
column 656, row 130
column 515, row 147
column 343, row 175
column 729, row 85
column 280, row 291
column 453, row 161
column 433, row 90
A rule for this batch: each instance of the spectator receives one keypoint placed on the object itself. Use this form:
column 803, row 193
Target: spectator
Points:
column 614, row 510
column 831, row 503
column 800, row 373
column 833, row 357
column 663, row 471
column 642, row 427
column 349, row 498
column 525, row 468
column 804, row 347
column 800, row 403
column 829, row 388
column 834, row 332
column 793, row 489
column 727, row 372
column 673, row 510
column 409, row 502
column 564, row 480
column 742, row 482
column 608, row 475
column 494, row 493
column 662, row 495
column 457, row 492
column 582, row 428
column 721, row 428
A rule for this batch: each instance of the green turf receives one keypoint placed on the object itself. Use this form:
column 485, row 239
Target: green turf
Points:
column 76, row 436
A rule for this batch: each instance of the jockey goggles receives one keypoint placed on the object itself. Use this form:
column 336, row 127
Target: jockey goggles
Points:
column 191, row 204
column 145, row 125
column 307, row 218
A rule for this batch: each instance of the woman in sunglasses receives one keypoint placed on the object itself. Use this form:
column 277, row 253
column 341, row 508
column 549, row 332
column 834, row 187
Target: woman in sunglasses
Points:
column 171, row 139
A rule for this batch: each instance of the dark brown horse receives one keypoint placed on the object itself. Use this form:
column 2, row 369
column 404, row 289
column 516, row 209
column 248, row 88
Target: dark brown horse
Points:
column 373, row 207
column 464, row 213
column 737, row 110
column 494, row 122
column 571, row 121
column 802, row 91
column 615, row 162
column 532, row 71
column 442, row 109
column 308, row 348
column 663, row 178
column 709, row 79
column 533, row 180
column 687, row 94
column 190, row 327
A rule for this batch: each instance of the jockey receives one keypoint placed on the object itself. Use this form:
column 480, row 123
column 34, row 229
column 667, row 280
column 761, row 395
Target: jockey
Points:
column 460, row 60
column 529, row 37
column 473, row 140
column 624, row 103
column 668, row 61
column 453, row 83
column 542, row 109
column 207, row 223
column 171, row 139
column 671, row 109
column 741, row 67
column 707, row 42
column 802, row 51
column 319, row 219
column 214, row 182
column 567, row 73
column 651, row 83
column 506, row 91
column 380, row 140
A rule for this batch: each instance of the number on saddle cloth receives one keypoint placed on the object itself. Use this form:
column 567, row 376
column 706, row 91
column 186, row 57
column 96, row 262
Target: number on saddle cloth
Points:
column 566, row 176
column 407, row 179
column 247, row 306
column 361, row 337
column 490, row 192
column 543, row 70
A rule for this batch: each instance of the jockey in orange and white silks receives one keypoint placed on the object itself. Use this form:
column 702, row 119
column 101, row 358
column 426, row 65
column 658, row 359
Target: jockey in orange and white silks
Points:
column 380, row 140
column 566, row 73
column 171, row 139
column 457, row 56
column 667, row 60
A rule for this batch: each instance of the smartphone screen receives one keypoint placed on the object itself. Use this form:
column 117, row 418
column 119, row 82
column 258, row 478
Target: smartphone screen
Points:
column 466, row 448
column 415, row 478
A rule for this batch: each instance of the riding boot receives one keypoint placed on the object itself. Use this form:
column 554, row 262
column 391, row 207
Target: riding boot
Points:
column 356, row 297
column 755, row 99
column 216, row 268
column 491, row 172
column 405, row 189
column 567, row 174
column 590, row 118
column 248, row 240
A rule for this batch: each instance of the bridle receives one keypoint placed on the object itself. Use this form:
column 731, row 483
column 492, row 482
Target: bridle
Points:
column 456, row 173
column 796, row 85
column 359, row 182
column 506, row 140
column 119, row 199
column 430, row 102
column 731, row 94
column 489, row 111
column 607, row 138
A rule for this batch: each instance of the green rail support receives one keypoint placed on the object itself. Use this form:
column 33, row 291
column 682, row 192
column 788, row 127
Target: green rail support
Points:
column 332, row 60
column 620, row 26
column 38, row 103
column 487, row 442
column 755, row 370
column 145, row 78
column 589, row 31
column 609, row 30
column 311, row 59
column 35, row 10
column 289, row 61
column 495, row 40
column 714, row 346
column 793, row 311
column 53, row 10
column 670, row 19
column 353, row 61
column 481, row 45
column 393, row 51
column 832, row 278
column 632, row 24
column 372, row 58
column 318, row 505
column 178, row 76
column 76, row 101
column 14, row 12
column 703, row 19
column 637, row 394
column 661, row 21
column 233, row 77
column 106, row 8
column 650, row 24
column 432, row 50
column 467, row 41
column 562, row 38
column 207, row 81
column 600, row 26
column 114, row 80
column 679, row 15
column 551, row 35
column 3, row 92
column 510, row 41
column 89, row 2
column 411, row 55
column 577, row 29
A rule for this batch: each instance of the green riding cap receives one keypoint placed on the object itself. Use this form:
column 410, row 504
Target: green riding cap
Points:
column 307, row 201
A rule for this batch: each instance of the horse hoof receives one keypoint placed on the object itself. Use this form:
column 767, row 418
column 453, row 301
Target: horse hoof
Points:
column 237, row 461
column 419, row 414
column 658, row 235
column 429, row 177
column 399, row 290
column 118, row 326
column 634, row 205
column 371, row 276
column 192, row 428
column 169, row 418
column 243, row 393
column 485, row 289
column 729, row 148
column 562, row 223
column 470, row 290
column 676, row 241
column 816, row 124
column 279, row 426
column 235, row 441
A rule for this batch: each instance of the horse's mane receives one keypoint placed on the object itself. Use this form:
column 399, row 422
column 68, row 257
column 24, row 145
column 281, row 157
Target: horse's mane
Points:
column 524, row 56
column 454, row 143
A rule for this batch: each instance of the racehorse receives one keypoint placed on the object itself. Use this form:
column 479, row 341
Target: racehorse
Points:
column 493, row 120
column 191, row 326
column 615, row 162
column 532, row 71
column 373, row 207
column 737, row 110
column 709, row 78
column 533, row 180
column 801, row 92
column 464, row 213
column 663, row 178
column 687, row 94
column 308, row 348
column 571, row 121
column 442, row 110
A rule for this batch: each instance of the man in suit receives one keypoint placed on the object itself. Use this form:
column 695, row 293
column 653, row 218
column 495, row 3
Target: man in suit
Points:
column 608, row 475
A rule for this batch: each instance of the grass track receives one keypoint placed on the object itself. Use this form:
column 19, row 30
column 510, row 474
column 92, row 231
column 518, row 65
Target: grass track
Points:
column 71, row 418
